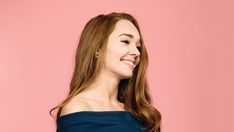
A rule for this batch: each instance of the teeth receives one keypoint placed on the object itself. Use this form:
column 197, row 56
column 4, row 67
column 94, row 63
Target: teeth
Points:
column 129, row 63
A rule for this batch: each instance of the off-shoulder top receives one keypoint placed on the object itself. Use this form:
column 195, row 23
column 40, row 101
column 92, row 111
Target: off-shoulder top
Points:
column 99, row 121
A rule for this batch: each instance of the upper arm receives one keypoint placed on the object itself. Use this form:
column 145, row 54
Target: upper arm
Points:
column 75, row 106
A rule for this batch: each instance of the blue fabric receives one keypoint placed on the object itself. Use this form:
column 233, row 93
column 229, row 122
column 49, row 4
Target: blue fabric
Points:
column 99, row 121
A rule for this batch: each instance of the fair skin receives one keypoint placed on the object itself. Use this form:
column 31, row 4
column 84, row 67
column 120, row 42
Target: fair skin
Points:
column 122, row 56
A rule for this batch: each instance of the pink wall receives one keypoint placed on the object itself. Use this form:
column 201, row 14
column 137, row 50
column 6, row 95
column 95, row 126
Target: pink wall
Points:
column 190, row 45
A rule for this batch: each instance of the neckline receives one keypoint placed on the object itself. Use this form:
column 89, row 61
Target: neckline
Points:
column 92, row 112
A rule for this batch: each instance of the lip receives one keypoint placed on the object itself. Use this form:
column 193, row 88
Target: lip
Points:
column 130, row 66
column 133, row 61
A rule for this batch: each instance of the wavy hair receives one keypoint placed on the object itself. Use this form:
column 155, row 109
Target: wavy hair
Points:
column 133, row 92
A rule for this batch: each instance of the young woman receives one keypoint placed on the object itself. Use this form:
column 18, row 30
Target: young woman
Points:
column 109, row 90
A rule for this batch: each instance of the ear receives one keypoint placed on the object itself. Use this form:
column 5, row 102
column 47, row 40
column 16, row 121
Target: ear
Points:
column 97, row 53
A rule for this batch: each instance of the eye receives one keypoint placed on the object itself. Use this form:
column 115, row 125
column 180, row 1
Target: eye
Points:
column 139, row 48
column 125, row 41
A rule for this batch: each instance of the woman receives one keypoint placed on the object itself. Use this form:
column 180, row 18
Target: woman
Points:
column 109, row 90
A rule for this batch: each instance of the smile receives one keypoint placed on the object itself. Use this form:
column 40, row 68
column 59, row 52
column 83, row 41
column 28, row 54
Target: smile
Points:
column 129, row 63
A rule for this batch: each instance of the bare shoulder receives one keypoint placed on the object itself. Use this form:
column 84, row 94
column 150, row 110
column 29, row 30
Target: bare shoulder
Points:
column 75, row 105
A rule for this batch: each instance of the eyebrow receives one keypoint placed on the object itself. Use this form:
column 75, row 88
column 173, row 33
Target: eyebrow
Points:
column 130, row 36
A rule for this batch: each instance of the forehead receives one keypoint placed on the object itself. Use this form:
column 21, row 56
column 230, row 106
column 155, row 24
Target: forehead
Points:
column 126, row 27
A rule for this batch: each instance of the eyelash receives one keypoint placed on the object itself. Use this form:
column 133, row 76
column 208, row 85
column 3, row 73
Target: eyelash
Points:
column 127, row 42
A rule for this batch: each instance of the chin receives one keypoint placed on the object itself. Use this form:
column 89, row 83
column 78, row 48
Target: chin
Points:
column 126, row 76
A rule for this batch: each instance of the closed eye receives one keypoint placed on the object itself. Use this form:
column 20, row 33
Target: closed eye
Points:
column 125, row 41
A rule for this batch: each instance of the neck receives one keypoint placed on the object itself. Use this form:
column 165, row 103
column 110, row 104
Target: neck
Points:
column 104, row 89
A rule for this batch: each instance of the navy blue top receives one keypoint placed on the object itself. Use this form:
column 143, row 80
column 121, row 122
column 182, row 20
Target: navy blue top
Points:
column 99, row 121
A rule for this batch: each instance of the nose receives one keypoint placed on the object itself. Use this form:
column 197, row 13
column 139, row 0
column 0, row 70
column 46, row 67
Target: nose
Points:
column 135, row 51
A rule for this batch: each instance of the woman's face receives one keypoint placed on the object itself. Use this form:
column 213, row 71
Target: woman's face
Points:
column 122, row 54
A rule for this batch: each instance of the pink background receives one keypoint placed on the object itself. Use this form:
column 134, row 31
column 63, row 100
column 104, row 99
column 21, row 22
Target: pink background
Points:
column 190, row 45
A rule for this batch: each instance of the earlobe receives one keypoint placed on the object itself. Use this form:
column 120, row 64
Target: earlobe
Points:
column 97, row 53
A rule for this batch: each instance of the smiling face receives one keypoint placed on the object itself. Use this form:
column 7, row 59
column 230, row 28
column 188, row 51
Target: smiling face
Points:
column 122, row 53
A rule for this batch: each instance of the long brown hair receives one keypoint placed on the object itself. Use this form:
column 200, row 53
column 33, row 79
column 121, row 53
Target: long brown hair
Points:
column 133, row 92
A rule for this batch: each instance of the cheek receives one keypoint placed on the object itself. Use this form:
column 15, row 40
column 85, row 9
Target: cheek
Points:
column 113, row 57
column 138, row 60
column 116, row 52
